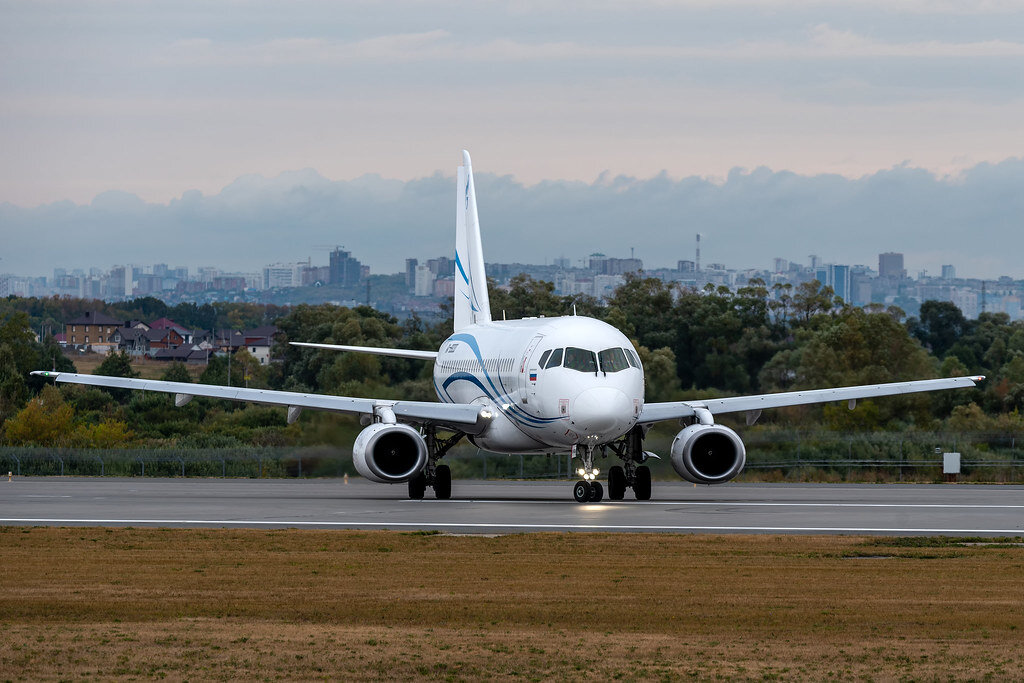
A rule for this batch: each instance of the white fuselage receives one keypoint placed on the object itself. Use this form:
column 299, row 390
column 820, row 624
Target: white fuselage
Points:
column 551, row 383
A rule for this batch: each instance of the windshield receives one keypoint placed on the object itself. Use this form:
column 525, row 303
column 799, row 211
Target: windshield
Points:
column 613, row 360
column 580, row 359
column 555, row 360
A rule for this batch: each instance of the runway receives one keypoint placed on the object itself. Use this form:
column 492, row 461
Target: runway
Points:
column 510, row 507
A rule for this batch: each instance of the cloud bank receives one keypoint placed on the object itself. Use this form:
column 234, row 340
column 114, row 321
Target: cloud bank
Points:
column 974, row 221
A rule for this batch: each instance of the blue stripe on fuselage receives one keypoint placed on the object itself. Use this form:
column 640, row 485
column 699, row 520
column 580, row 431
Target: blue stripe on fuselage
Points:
column 500, row 396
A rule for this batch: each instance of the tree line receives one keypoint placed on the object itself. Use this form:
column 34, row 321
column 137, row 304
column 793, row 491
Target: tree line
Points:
column 693, row 344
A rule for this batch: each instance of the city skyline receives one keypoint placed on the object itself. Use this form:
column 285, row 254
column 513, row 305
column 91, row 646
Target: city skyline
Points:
column 424, row 286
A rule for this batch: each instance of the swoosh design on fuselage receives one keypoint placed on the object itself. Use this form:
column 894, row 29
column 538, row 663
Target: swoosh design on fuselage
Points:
column 500, row 397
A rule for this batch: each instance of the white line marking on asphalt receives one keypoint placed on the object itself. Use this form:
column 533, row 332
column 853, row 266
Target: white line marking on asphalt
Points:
column 463, row 525
column 722, row 503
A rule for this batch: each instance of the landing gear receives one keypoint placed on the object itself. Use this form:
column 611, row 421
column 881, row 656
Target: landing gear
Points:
column 439, row 477
column 642, row 483
column 417, row 486
column 631, row 474
column 589, row 490
column 616, row 483
column 443, row 482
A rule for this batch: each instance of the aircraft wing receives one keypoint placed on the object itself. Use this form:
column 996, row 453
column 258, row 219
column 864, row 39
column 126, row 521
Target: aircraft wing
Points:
column 398, row 353
column 467, row 418
column 753, row 405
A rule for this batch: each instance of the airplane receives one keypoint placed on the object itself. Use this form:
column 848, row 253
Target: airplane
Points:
column 536, row 385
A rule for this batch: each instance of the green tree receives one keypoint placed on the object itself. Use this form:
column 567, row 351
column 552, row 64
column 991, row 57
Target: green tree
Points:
column 855, row 347
column 176, row 372
column 811, row 299
column 117, row 364
column 13, row 391
column 16, row 334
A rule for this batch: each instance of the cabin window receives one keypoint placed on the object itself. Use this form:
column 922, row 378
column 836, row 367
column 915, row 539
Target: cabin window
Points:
column 580, row 359
column 555, row 360
column 544, row 358
column 613, row 360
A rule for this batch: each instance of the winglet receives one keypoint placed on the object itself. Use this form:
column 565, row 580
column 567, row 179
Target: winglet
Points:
column 472, row 304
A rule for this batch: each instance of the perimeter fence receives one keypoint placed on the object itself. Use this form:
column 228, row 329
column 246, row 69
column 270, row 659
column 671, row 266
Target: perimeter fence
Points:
column 771, row 455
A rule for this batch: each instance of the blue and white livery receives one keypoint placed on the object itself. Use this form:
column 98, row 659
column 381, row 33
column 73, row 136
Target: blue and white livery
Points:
column 537, row 385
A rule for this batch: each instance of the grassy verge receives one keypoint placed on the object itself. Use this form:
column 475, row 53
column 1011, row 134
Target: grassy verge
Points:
column 218, row 604
column 148, row 369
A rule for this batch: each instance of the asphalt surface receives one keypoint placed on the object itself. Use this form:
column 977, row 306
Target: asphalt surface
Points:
column 506, row 507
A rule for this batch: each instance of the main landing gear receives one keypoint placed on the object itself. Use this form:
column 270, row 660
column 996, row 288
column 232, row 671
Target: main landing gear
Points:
column 437, row 476
column 631, row 474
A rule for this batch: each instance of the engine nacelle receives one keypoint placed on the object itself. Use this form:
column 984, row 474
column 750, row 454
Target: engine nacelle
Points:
column 389, row 453
column 708, row 454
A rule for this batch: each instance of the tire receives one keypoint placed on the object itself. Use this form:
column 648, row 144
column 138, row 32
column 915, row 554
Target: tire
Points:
column 581, row 491
column 642, row 485
column 596, row 492
column 417, row 486
column 616, row 483
column 443, row 482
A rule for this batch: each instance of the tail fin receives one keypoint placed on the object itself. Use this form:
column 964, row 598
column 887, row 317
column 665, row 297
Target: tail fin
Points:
column 471, row 301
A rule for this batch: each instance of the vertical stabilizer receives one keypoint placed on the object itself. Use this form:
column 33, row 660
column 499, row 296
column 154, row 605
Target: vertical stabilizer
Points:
column 471, row 302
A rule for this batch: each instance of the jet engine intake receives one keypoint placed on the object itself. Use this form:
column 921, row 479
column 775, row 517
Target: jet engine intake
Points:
column 708, row 454
column 389, row 453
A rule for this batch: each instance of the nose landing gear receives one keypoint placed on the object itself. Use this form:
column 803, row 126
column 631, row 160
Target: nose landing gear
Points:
column 589, row 489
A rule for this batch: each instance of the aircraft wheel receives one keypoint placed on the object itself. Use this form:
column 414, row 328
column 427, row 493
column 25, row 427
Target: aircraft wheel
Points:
column 596, row 492
column 642, row 485
column 443, row 482
column 616, row 483
column 582, row 491
column 417, row 486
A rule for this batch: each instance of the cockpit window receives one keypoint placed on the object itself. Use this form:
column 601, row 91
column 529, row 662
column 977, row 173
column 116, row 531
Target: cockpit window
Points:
column 580, row 359
column 613, row 360
column 555, row 360
column 631, row 357
column 543, row 358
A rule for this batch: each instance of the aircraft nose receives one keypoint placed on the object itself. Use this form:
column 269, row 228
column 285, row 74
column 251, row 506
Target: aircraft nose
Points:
column 602, row 411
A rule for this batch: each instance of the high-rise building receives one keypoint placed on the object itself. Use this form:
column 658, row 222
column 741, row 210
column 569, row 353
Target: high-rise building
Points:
column 424, row 281
column 890, row 264
column 840, row 281
column 345, row 270
column 442, row 266
column 948, row 272
column 410, row 273
column 283, row 275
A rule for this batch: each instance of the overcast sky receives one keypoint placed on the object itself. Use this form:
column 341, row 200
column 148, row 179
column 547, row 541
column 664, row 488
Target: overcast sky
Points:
column 773, row 127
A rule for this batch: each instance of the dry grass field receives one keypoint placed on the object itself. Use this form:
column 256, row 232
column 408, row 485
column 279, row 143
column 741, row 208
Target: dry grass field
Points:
column 147, row 369
column 232, row 604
